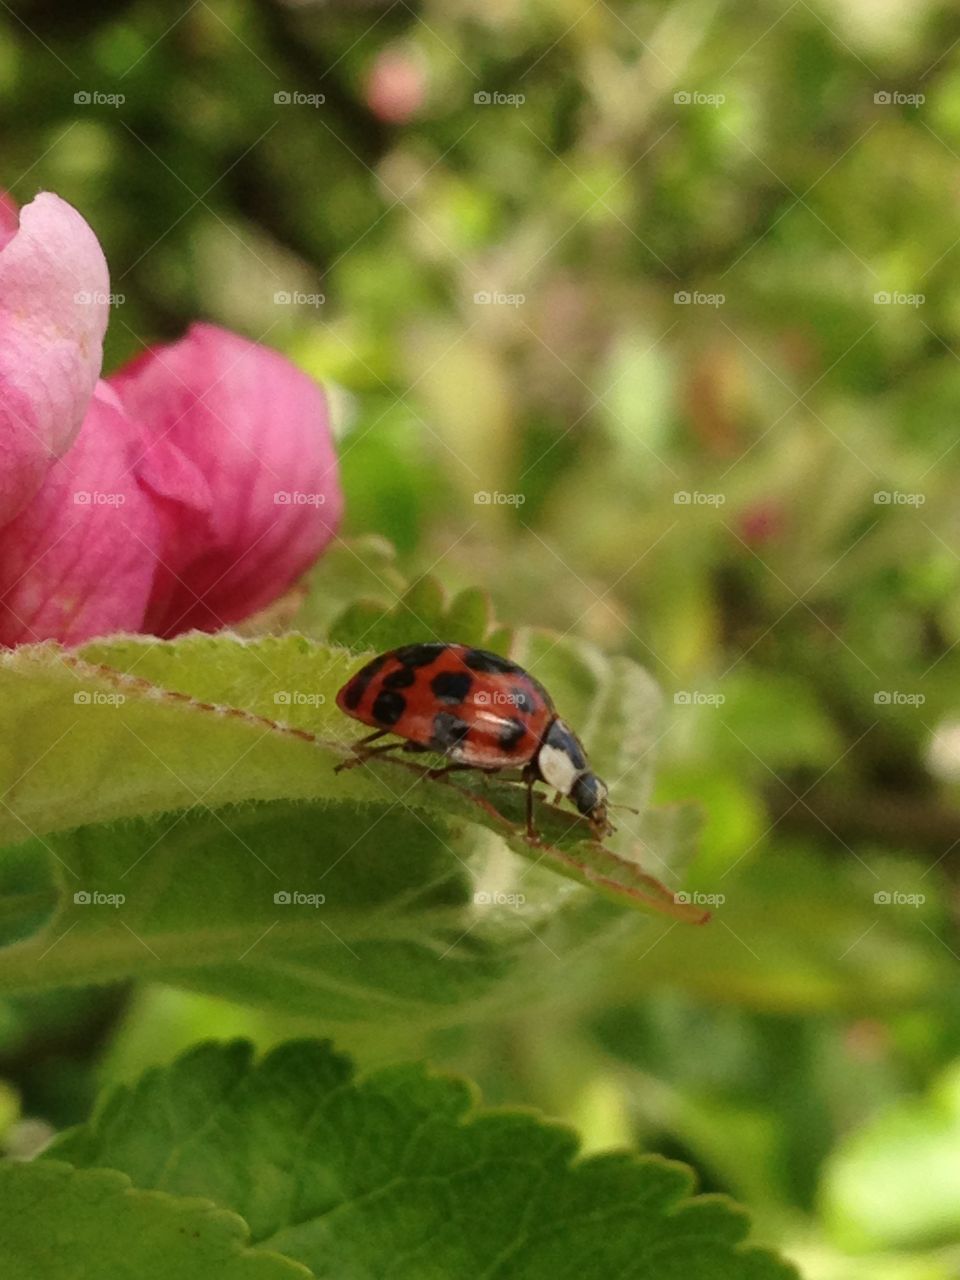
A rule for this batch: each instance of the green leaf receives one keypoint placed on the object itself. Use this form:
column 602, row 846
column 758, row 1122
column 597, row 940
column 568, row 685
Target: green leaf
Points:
column 249, row 903
column 422, row 611
column 399, row 1173
column 161, row 772
column 61, row 1223
column 213, row 720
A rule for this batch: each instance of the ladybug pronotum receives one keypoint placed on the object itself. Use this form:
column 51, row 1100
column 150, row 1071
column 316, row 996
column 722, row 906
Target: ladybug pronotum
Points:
column 478, row 710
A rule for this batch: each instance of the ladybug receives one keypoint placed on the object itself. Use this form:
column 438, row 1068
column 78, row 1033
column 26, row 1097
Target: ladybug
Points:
column 478, row 710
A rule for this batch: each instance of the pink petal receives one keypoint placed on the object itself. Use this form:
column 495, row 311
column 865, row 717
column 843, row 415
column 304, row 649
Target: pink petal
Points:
column 80, row 560
column 9, row 218
column 257, row 430
column 53, row 313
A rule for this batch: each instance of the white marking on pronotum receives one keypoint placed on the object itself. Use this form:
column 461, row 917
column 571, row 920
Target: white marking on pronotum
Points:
column 558, row 769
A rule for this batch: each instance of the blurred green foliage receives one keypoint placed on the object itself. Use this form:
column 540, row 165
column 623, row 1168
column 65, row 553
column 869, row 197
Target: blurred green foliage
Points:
column 793, row 170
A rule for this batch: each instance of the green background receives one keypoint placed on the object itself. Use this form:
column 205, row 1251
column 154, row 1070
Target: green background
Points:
column 787, row 167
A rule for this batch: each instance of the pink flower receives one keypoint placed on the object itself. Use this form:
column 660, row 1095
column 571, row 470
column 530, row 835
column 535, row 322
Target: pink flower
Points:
column 53, row 315
column 201, row 484
column 80, row 559
column 257, row 430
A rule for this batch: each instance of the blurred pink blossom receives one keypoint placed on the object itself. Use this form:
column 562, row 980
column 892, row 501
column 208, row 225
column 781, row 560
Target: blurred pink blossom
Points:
column 396, row 86
column 760, row 523
column 190, row 490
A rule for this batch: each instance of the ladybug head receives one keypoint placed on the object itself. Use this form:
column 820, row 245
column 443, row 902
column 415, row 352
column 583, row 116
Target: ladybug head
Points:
column 562, row 764
column 589, row 794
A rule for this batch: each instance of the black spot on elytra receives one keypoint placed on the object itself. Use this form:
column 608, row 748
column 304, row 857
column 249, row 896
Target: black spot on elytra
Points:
column 402, row 678
column 361, row 682
column 448, row 731
column 388, row 707
column 511, row 734
column 521, row 699
column 481, row 660
column 451, row 686
column 418, row 655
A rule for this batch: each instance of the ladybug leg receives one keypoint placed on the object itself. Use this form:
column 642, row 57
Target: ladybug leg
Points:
column 530, row 778
column 361, row 750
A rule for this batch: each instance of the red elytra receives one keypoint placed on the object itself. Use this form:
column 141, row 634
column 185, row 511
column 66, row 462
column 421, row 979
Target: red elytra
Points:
column 478, row 710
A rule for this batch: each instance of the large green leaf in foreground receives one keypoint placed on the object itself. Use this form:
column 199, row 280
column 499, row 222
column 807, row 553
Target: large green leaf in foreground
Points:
column 399, row 1175
column 60, row 1223
column 172, row 810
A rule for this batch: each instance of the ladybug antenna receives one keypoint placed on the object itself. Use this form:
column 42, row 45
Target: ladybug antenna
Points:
column 611, row 805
